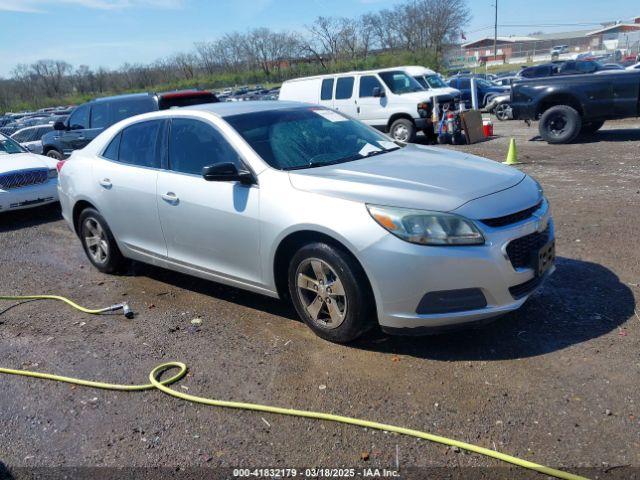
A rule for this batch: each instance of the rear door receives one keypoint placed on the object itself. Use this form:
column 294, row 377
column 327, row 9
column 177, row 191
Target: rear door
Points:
column 344, row 97
column 210, row 227
column 126, row 175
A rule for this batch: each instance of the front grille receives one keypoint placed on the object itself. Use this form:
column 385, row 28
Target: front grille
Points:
column 524, row 289
column 523, row 251
column 23, row 178
column 512, row 218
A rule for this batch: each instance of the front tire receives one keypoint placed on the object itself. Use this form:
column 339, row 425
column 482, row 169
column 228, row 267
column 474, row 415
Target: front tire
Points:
column 98, row 242
column 330, row 292
column 55, row 154
column 403, row 130
column 560, row 124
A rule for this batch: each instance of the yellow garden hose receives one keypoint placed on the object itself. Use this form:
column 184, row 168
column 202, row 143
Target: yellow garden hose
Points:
column 163, row 385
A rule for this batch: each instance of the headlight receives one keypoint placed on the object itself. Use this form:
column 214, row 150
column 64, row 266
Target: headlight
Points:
column 426, row 228
column 53, row 173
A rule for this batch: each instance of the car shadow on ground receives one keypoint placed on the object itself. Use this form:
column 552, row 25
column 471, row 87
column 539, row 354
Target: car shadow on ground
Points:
column 240, row 297
column 30, row 217
column 579, row 302
column 612, row 135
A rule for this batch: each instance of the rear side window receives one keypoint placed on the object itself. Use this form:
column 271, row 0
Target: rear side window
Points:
column 112, row 150
column 79, row 119
column 326, row 91
column 194, row 144
column 139, row 144
column 367, row 84
column 128, row 108
column 344, row 88
column 100, row 115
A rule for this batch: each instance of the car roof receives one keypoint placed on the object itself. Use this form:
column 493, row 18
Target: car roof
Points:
column 130, row 96
column 227, row 109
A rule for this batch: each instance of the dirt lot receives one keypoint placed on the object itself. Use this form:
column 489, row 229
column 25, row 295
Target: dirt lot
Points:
column 557, row 382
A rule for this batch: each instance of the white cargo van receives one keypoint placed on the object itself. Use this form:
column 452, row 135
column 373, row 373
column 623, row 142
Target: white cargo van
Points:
column 432, row 82
column 387, row 99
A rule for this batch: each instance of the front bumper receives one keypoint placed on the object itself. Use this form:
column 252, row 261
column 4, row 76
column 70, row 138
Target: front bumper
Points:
column 402, row 273
column 27, row 197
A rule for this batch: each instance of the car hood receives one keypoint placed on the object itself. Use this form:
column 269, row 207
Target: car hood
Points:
column 434, row 92
column 420, row 177
column 24, row 161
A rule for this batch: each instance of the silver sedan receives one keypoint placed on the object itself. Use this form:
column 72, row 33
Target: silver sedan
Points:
column 303, row 203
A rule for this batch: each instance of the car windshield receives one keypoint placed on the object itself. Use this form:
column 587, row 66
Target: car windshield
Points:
column 435, row 81
column 306, row 137
column 8, row 146
column 399, row 82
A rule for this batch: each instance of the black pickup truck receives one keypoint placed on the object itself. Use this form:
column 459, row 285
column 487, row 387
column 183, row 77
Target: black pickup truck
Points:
column 567, row 106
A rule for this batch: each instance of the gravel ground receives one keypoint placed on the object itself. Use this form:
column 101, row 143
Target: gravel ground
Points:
column 556, row 382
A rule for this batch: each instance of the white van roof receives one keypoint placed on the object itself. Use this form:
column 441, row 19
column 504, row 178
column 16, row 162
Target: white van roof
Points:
column 416, row 71
column 356, row 72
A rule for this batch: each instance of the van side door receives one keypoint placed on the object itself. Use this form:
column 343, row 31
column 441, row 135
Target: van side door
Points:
column 326, row 92
column 344, row 97
column 73, row 137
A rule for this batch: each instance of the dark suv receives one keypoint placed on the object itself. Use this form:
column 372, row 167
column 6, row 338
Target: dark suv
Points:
column 88, row 120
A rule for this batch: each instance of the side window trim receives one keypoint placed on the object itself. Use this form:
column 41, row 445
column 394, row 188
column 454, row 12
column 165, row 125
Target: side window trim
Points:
column 162, row 132
column 207, row 122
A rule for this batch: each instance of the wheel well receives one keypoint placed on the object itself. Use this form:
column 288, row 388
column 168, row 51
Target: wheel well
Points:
column 397, row 116
column 559, row 99
column 77, row 210
column 291, row 244
column 48, row 148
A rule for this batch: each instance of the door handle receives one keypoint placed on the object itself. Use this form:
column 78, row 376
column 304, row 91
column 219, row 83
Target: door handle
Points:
column 170, row 197
column 106, row 183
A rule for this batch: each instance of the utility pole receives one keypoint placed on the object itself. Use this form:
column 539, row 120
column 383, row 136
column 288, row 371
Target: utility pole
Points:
column 495, row 34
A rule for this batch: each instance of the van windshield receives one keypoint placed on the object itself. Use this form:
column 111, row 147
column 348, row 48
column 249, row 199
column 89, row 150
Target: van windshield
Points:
column 307, row 137
column 399, row 82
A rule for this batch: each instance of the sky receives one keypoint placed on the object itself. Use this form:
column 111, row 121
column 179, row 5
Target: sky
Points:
column 111, row 32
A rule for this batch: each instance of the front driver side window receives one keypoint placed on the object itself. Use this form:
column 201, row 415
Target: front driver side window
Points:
column 79, row 119
column 194, row 144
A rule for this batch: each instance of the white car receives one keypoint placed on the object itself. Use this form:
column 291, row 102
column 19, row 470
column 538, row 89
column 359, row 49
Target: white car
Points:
column 31, row 137
column 26, row 179
column 634, row 67
column 387, row 99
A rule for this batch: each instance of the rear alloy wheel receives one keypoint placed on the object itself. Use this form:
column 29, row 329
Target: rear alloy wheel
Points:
column 98, row 242
column 560, row 124
column 330, row 292
column 403, row 130
column 55, row 154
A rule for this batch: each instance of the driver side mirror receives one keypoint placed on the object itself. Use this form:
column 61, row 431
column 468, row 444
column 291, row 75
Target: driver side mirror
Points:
column 59, row 125
column 226, row 172
column 378, row 92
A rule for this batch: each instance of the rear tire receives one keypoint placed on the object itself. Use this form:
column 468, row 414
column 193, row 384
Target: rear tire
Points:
column 98, row 242
column 330, row 292
column 560, row 124
column 591, row 127
column 403, row 130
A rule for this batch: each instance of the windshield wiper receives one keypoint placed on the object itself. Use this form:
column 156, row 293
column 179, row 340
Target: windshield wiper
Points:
column 350, row 158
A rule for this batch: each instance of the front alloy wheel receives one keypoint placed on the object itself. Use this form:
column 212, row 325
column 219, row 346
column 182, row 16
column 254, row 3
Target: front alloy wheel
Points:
column 321, row 292
column 331, row 292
